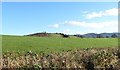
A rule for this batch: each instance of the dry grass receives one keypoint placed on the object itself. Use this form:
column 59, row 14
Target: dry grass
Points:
column 101, row 58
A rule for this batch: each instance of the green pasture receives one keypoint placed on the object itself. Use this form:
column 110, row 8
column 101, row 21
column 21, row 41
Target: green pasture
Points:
column 53, row 44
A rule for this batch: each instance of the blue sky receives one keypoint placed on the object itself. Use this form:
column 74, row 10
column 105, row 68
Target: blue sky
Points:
column 60, row 1
column 21, row 18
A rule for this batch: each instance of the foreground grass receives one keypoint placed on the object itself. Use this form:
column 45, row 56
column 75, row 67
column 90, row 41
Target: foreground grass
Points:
column 56, row 44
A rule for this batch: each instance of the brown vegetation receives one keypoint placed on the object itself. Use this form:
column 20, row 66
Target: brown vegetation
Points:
column 82, row 58
column 43, row 34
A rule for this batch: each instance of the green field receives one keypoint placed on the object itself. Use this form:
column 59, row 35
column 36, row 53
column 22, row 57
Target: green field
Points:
column 53, row 43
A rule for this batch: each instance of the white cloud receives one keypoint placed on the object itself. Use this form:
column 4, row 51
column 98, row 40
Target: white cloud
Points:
column 94, row 25
column 88, row 27
column 54, row 25
column 101, row 27
column 66, row 31
column 72, row 32
column 110, row 12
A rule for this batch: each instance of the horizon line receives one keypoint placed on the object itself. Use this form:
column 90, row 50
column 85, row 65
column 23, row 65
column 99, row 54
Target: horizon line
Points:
column 59, row 32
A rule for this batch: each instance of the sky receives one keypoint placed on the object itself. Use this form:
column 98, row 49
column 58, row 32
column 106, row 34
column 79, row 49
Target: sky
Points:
column 21, row 18
column 60, row 0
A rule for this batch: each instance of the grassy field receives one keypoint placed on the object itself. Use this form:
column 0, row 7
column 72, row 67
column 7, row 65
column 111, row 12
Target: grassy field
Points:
column 43, row 56
column 50, row 44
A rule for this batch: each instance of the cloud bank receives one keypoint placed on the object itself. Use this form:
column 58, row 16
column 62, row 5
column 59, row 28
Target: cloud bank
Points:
column 109, row 12
column 93, row 25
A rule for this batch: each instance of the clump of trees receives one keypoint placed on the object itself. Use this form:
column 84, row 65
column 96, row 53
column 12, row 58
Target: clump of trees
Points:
column 99, row 36
column 114, row 36
column 80, row 36
column 66, row 36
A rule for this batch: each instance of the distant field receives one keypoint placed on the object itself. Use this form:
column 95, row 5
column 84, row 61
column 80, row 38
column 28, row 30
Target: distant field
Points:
column 50, row 44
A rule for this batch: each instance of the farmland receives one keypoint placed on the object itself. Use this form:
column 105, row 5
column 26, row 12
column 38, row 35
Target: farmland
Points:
column 54, row 43
column 30, row 52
